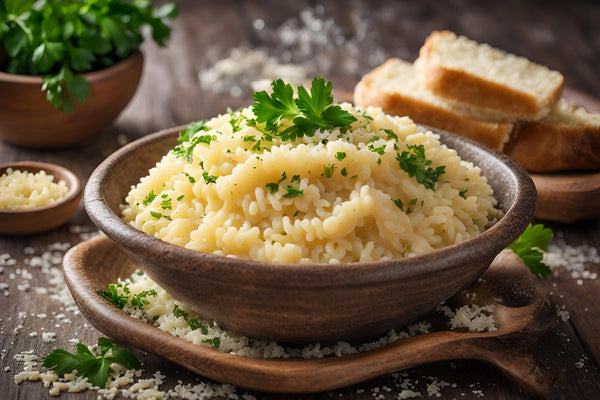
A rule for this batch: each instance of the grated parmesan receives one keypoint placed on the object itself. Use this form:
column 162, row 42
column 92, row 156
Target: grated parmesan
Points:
column 20, row 190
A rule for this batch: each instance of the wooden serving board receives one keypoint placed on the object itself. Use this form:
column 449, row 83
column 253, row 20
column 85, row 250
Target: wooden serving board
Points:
column 522, row 315
column 570, row 196
column 562, row 196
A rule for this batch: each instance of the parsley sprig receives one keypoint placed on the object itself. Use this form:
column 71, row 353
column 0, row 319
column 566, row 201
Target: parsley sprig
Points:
column 308, row 112
column 528, row 246
column 416, row 165
column 61, row 39
column 95, row 368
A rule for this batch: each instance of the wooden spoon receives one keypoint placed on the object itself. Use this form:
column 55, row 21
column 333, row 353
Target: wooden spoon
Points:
column 93, row 264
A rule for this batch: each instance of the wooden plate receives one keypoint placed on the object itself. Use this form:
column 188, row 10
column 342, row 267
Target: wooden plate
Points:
column 92, row 265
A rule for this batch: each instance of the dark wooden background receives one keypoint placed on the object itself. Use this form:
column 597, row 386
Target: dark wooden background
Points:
column 562, row 35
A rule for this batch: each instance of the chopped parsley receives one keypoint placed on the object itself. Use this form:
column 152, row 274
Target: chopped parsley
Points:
column 344, row 172
column 165, row 204
column 215, row 342
column 272, row 187
column 526, row 247
column 391, row 134
column 235, row 120
column 150, row 198
column 293, row 192
column 186, row 149
column 180, row 197
column 178, row 312
column 155, row 214
column 414, row 163
column 399, row 204
column 112, row 295
column 195, row 324
column 340, row 155
column 328, row 170
column 95, row 368
column 295, row 178
column 463, row 193
column 209, row 178
column 308, row 112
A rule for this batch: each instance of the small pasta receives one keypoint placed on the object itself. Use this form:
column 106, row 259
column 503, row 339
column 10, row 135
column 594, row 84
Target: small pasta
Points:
column 339, row 196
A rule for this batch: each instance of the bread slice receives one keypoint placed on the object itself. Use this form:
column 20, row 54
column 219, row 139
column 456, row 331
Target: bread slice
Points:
column 398, row 90
column 462, row 69
column 567, row 139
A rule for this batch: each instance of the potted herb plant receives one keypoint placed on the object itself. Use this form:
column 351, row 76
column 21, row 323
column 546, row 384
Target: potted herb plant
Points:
column 68, row 67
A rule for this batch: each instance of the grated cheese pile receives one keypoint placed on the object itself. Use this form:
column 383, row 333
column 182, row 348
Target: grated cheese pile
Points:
column 23, row 190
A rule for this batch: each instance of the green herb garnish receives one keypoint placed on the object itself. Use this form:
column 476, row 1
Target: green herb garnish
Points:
column 178, row 312
column 95, row 368
column 308, row 112
column 155, row 214
column 414, row 163
column 398, row 204
column 526, row 247
column 340, row 155
column 209, row 178
column 151, row 196
column 215, row 342
column 61, row 39
column 112, row 295
column 463, row 193
column 328, row 170
column 293, row 192
column 195, row 324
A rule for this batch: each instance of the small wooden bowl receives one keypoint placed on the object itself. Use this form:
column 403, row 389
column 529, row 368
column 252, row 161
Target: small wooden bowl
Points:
column 41, row 219
column 27, row 119
column 307, row 303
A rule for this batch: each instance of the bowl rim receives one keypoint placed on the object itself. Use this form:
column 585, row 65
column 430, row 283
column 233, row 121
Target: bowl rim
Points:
column 71, row 179
column 491, row 241
column 92, row 76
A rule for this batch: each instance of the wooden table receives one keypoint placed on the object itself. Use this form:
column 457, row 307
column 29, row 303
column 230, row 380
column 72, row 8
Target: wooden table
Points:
column 563, row 36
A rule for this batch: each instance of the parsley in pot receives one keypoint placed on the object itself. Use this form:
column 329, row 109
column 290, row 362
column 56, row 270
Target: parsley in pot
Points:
column 60, row 39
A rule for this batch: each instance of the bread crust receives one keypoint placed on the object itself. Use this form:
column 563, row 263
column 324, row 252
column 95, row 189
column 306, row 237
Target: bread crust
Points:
column 460, row 85
column 548, row 147
column 493, row 134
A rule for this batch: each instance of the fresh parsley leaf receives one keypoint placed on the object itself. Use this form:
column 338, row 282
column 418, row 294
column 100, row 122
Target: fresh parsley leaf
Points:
column 195, row 324
column 328, row 170
column 60, row 38
column 340, row 155
column 270, row 109
column 272, row 187
column 112, row 295
column 399, row 204
column 526, row 247
column 463, row 193
column 344, row 172
column 215, row 342
column 95, row 368
column 308, row 112
column 178, row 312
column 414, row 163
column 293, row 192
column 209, row 178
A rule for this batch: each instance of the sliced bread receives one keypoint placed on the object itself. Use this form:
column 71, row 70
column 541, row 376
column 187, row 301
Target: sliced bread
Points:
column 515, row 88
column 567, row 139
column 398, row 89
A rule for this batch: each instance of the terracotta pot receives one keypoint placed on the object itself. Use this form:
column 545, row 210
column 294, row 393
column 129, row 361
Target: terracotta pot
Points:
column 27, row 119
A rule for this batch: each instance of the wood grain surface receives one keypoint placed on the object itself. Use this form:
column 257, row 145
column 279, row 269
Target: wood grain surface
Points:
column 564, row 36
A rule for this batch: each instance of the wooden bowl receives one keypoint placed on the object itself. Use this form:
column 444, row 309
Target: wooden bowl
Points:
column 41, row 219
column 27, row 119
column 302, row 303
